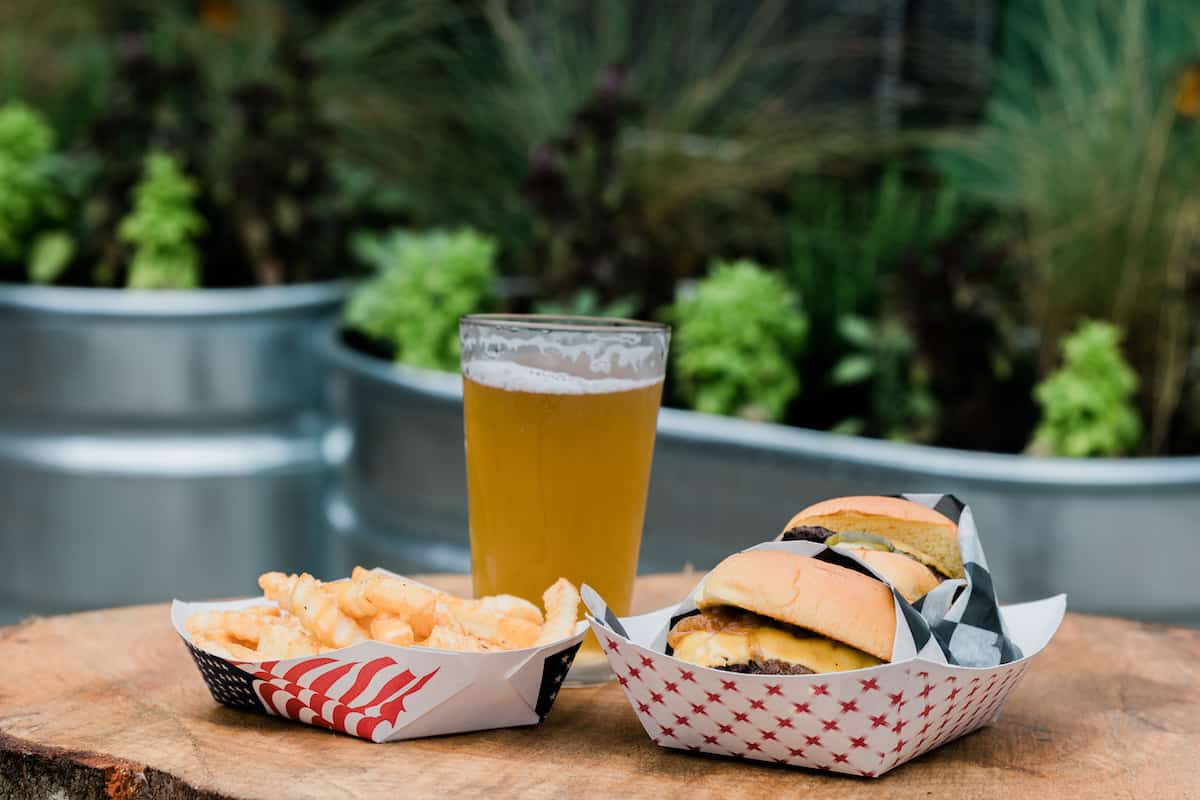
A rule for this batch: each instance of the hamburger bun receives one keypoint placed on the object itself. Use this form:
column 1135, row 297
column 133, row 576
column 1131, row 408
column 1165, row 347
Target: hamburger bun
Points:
column 910, row 527
column 838, row 603
column 912, row 579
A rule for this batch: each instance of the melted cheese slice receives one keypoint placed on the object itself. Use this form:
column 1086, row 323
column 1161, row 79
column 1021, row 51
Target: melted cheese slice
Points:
column 764, row 643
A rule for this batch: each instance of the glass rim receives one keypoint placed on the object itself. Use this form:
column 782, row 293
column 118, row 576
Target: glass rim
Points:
column 564, row 323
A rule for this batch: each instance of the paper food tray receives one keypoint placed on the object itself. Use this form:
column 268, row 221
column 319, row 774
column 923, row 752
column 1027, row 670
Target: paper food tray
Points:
column 382, row 692
column 860, row 722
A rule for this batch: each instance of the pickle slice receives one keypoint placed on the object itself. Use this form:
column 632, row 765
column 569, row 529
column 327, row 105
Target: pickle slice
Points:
column 861, row 540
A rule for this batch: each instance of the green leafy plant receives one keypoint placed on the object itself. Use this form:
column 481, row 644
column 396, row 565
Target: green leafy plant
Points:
column 1088, row 147
column 30, row 199
column 261, row 100
column 859, row 242
column 587, row 303
column 847, row 241
column 162, row 228
column 623, row 145
column 735, row 339
column 884, row 361
column 1087, row 404
column 423, row 283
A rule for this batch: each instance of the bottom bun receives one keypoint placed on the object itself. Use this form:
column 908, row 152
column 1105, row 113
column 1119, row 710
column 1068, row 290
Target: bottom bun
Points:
column 911, row 578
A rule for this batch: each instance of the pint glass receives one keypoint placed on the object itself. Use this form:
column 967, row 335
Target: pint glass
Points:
column 560, row 415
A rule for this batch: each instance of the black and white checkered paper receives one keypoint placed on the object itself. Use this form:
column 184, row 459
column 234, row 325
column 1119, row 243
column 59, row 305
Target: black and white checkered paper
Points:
column 958, row 623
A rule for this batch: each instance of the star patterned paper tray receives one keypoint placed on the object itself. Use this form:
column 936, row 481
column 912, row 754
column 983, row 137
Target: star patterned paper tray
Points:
column 382, row 692
column 862, row 722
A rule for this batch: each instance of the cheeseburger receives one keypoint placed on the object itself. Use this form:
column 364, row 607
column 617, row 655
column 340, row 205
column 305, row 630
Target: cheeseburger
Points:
column 915, row 548
column 777, row 613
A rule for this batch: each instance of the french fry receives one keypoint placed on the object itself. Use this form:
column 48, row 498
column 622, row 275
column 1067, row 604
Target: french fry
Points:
column 352, row 598
column 317, row 610
column 393, row 629
column 450, row 637
column 510, row 605
column 412, row 603
column 221, row 645
column 311, row 617
column 244, row 626
column 562, row 611
column 483, row 621
column 285, row 641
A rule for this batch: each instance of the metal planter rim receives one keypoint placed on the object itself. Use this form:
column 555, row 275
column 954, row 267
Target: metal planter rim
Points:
column 167, row 303
column 999, row 469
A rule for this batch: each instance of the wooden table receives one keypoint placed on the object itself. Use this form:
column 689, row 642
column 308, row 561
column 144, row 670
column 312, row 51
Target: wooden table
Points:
column 109, row 703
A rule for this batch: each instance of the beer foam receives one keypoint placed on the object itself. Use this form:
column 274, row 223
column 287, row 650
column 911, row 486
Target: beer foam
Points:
column 512, row 377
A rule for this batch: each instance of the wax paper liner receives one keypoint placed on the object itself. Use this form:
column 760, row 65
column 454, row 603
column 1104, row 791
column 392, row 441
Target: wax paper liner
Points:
column 860, row 722
column 382, row 692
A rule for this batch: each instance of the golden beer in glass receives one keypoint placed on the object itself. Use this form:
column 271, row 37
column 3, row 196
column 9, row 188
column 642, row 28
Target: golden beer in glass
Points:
column 560, row 415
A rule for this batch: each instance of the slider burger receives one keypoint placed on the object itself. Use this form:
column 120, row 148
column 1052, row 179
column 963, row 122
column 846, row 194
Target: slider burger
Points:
column 915, row 548
column 769, row 612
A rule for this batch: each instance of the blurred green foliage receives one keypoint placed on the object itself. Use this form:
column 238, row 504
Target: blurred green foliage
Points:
column 848, row 239
column 883, row 358
column 608, row 152
column 423, row 283
column 31, row 200
column 1087, row 404
column 162, row 228
column 1089, row 148
column 587, row 303
column 735, row 341
column 622, row 145
column 846, row 242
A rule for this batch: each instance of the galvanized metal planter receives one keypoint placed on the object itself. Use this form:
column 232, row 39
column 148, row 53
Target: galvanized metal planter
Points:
column 1119, row 536
column 157, row 443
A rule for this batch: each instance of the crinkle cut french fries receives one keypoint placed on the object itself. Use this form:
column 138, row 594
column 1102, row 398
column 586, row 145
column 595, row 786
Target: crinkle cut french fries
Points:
column 310, row 617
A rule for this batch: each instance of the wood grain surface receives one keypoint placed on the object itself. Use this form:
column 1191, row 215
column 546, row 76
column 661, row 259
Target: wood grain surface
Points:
column 109, row 704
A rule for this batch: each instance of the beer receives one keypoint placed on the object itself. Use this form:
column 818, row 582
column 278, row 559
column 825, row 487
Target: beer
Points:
column 558, row 466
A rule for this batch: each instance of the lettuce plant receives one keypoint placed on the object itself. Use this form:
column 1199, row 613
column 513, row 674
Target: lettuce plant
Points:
column 1087, row 404
column 29, row 198
column 735, row 342
column 161, row 228
column 423, row 283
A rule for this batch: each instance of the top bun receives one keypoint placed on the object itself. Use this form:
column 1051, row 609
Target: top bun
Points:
column 824, row 598
column 911, row 527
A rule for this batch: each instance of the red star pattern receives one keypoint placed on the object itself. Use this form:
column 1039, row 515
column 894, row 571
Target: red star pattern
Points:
column 843, row 722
